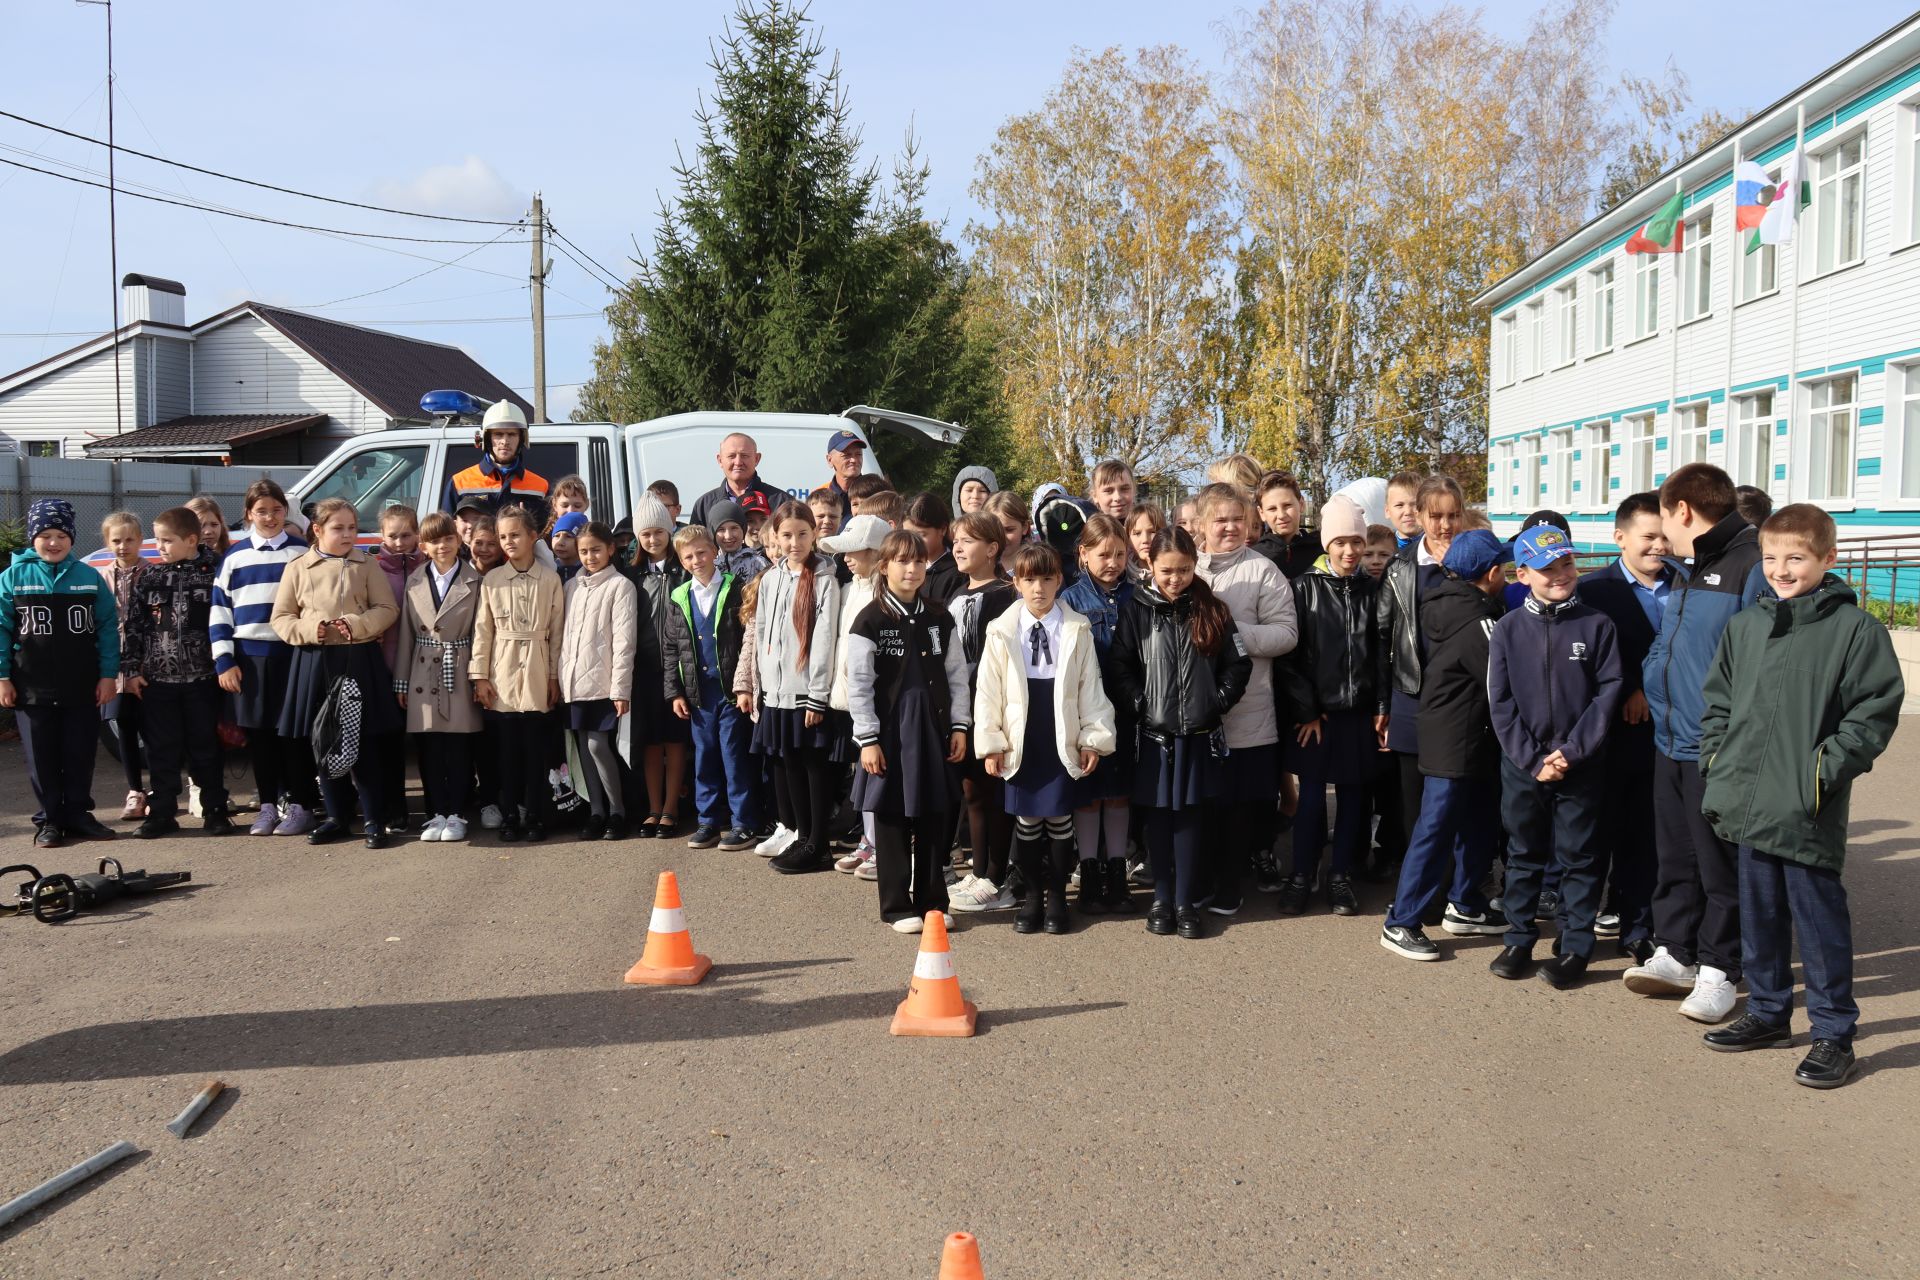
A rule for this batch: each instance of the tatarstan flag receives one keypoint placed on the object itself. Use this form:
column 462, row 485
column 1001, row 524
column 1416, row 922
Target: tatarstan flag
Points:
column 1664, row 232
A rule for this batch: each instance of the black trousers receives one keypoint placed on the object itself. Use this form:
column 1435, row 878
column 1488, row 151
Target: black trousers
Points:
column 126, row 718
column 183, row 727
column 446, row 772
column 805, row 784
column 1627, row 843
column 522, row 739
column 1696, row 894
column 1173, row 847
column 60, row 742
column 1552, row 824
column 907, row 854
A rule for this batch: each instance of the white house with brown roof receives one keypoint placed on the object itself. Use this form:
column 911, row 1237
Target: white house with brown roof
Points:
column 255, row 384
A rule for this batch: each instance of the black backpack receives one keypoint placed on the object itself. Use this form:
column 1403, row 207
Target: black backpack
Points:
column 336, row 727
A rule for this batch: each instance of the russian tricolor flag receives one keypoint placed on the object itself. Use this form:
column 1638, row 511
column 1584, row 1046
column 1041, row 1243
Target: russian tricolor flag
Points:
column 1753, row 191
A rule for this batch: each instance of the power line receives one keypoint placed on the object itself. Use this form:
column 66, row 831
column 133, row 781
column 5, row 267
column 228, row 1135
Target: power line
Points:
column 365, row 324
column 265, row 186
column 250, row 217
column 438, row 266
column 615, row 280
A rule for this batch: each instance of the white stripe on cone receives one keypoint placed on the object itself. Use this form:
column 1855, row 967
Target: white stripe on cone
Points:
column 933, row 965
column 668, row 920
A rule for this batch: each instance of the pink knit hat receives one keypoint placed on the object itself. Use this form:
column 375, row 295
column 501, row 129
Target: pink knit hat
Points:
column 1340, row 518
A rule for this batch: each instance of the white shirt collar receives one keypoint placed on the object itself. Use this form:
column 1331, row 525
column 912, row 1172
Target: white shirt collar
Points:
column 1420, row 555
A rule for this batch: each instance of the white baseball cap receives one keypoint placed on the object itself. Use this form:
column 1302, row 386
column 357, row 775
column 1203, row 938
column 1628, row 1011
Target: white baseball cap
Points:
column 863, row 533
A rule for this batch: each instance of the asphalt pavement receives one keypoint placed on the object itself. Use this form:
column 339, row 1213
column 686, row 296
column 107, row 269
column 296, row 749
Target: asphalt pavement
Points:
column 435, row 1069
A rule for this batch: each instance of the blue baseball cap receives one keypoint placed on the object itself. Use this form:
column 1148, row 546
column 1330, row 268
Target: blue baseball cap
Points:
column 1540, row 546
column 844, row 440
column 572, row 522
column 1473, row 553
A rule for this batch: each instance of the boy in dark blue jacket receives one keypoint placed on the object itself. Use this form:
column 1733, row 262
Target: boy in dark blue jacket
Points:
column 1696, row 898
column 1633, row 592
column 1553, row 682
column 59, row 654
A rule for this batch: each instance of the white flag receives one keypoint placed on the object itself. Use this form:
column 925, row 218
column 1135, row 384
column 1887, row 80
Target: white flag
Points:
column 1776, row 227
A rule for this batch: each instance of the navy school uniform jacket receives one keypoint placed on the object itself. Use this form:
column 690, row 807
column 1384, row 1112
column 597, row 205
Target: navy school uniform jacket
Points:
column 59, row 630
column 1553, row 682
column 1724, row 578
column 1608, row 590
column 1455, row 722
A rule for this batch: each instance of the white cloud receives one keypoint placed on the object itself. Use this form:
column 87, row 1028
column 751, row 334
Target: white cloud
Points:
column 471, row 188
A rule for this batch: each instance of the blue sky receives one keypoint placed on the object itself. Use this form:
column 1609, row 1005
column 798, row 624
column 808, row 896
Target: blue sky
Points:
column 468, row 108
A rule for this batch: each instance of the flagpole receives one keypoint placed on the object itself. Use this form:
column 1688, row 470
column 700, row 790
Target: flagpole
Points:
column 1793, row 317
column 1737, row 266
column 1673, row 342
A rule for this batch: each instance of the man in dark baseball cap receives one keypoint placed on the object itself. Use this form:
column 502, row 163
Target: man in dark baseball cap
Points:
column 847, row 455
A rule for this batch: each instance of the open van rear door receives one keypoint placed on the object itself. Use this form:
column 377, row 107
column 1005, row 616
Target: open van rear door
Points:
column 911, row 426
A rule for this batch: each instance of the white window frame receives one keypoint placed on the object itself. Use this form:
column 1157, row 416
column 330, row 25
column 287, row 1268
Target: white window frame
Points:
column 1560, row 468
column 1530, row 473
column 1507, row 349
column 1816, row 450
column 1567, row 323
column 1534, row 337
column 1900, row 438
column 1695, row 298
column 1646, row 296
column 1754, row 422
column 1500, row 492
column 1597, row 455
column 1638, row 456
column 23, row 442
column 1691, row 440
column 1829, row 191
column 1603, row 314
column 1906, row 173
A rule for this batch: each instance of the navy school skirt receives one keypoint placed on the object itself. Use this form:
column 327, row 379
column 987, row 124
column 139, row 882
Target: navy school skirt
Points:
column 1042, row 788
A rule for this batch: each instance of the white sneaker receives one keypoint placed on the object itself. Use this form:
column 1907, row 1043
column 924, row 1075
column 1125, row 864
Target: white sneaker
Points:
column 908, row 924
column 434, row 829
column 491, row 817
column 849, row 862
column 868, row 868
column 778, row 843
column 975, row 893
column 1713, row 997
column 456, row 829
column 1663, row 975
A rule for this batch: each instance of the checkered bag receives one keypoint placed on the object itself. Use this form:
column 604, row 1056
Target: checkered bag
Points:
column 336, row 728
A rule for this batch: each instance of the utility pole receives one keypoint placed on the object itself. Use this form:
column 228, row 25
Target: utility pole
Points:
column 538, row 279
column 113, row 230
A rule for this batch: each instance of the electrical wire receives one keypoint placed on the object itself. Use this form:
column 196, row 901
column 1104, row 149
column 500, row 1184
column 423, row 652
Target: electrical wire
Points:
column 265, row 186
column 438, row 266
column 250, row 217
column 615, row 281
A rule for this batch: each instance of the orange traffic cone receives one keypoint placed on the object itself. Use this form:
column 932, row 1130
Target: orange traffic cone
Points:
column 669, row 960
column 933, row 1006
column 960, row 1260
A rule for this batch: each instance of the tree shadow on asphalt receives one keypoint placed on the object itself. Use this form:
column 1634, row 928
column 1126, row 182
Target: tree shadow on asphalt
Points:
column 1873, row 1061
column 232, row 1042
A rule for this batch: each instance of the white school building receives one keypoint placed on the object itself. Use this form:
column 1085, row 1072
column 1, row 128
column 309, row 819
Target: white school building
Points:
column 1797, row 368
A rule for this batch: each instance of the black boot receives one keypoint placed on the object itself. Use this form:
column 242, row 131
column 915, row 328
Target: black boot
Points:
column 1059, row 867
column 1093, row 890
column 1033, row 907
column 1119, row 898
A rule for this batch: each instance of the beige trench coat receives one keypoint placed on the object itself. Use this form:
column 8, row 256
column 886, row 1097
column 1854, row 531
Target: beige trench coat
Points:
column 516, row 635
column 434, row 653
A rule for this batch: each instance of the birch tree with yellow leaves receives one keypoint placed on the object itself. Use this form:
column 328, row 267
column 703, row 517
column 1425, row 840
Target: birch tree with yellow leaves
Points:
column 1102, row 260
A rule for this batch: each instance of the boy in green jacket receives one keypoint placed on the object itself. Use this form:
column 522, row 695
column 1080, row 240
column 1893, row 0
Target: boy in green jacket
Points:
column 1819, row 698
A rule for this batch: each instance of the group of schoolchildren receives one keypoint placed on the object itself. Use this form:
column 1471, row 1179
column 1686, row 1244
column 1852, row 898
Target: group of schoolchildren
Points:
column 1659, row 751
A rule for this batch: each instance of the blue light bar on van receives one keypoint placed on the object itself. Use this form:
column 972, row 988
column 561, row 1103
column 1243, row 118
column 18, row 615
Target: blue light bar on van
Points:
column 453, row 403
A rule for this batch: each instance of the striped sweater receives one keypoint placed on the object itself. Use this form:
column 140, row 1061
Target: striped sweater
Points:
column 243, row 594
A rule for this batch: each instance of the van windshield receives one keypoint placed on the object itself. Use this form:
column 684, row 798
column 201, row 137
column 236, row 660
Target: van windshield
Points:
column 373, row 481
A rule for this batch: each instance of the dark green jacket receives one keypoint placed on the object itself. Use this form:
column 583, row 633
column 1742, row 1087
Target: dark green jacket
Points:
column 1802, row 695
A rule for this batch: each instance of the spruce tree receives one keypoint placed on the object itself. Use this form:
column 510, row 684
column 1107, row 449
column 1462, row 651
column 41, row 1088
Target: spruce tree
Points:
column 785, row 276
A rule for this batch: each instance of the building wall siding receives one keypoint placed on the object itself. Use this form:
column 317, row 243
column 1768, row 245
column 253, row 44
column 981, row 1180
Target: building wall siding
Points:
column 73, row 404
column 1862, row 319
column 248, row 366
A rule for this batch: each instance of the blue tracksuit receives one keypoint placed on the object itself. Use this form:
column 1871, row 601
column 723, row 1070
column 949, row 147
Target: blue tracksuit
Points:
column 1723, row 579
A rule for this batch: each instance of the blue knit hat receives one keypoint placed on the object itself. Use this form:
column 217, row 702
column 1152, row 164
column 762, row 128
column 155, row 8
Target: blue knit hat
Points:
column 49, row 513
column 572, row 522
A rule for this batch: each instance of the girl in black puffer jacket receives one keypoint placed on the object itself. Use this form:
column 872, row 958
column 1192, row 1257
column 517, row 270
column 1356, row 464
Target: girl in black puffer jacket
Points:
column 1337, row 681
column 1178, row 663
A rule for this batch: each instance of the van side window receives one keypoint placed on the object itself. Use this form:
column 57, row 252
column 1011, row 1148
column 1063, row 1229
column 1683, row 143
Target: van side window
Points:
column 373, row 481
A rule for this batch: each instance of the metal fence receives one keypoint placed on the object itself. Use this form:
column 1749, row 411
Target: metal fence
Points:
column 1885, row 568
column 96, row 487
